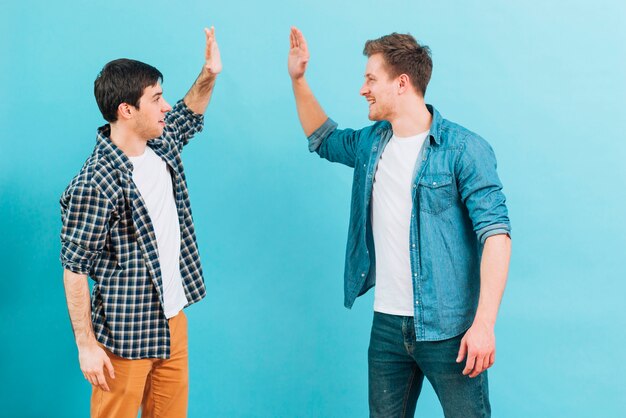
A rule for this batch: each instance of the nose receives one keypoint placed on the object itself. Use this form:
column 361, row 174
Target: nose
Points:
column 364, row 90
column 166, row 107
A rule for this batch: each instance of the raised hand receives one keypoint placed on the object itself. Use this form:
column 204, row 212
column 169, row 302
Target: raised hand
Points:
column 298, row 54
column 212, row 59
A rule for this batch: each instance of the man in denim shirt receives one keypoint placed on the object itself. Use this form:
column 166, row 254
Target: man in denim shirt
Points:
column 428, row 226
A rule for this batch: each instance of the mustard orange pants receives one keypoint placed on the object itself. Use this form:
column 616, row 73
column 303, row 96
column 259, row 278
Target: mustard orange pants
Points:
column 159, row 387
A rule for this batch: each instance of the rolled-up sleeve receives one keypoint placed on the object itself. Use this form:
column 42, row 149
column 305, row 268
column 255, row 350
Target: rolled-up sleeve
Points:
column 181, row 124
column 481, row 189
column 85, row 214
column 335, row 145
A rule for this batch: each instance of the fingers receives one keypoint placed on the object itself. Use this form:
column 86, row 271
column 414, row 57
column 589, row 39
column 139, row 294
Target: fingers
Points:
column 96, row 378
column 210, row 36
column 462, row 351
column 102, row 382
column 478, row 366
column 297, row 38
column 300, row 40
column 292, row 39
column 469, row 365
column 109, row 366
column 486, row 362
column 88, row 378
column 481, row 363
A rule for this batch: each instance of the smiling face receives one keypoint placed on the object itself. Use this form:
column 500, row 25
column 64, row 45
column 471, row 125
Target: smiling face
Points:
column 149, row 116
column 379, row 89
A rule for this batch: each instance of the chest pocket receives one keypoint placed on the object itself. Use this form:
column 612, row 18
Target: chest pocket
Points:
column 436, row 193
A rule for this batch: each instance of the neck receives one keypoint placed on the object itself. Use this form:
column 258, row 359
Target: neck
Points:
column 128, row 141
column 412, row 118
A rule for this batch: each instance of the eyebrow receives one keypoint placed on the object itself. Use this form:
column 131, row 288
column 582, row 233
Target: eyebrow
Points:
column 157, row 94
column 370, row 75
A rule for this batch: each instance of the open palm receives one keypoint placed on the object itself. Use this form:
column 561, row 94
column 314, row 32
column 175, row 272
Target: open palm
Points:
column 298, row 54
column 212, row 59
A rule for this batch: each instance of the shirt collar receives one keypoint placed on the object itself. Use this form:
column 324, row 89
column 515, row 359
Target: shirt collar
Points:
column 435, row 125
column 113, row 153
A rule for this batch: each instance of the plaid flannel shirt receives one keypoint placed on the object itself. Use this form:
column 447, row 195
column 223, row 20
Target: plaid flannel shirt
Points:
column 107, row 234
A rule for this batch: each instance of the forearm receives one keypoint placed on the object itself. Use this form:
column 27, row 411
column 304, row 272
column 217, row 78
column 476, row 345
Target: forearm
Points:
column 199, row 95
column 494, row 269
column 310, row 113
column 79, row 307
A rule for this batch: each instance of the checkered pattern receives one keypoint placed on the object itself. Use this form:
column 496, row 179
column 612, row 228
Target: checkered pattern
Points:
column 107, row 234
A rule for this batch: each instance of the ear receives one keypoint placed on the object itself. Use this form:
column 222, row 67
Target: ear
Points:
column 124, row 111
column 404, row 83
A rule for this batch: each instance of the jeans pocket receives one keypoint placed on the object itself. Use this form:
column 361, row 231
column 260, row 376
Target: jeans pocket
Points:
column 436, row 193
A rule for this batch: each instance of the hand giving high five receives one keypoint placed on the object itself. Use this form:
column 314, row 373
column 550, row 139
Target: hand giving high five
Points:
column 298, row 54
column 212, row 59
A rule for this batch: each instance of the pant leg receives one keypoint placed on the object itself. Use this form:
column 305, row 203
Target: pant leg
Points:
column 460, row 396
column 395, row 380
column 167, row 391
column 127, row 388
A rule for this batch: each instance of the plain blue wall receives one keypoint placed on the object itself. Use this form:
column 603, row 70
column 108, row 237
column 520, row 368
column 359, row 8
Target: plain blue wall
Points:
column 543, row 81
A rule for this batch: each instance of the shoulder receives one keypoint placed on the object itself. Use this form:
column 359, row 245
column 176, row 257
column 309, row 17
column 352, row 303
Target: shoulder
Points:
column 457, row 136
column 97, row 177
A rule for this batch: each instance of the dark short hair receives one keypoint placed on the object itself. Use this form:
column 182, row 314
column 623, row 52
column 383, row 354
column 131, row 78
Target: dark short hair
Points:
column 403, row 55
column 123, row 81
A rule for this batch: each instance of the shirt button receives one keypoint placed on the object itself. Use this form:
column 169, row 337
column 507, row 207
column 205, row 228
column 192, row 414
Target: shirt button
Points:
column 417, row 302
column 415, row 274
column 412, row 215
column 415, row 186
column 434, row 183
column 364, row 165
column 413, row 245
column 362, row 274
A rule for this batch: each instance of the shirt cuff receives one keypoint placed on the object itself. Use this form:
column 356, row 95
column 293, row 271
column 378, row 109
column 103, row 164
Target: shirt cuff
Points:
column 317, row 137
column 182, row 107
column 496, row 229
column 76, row 259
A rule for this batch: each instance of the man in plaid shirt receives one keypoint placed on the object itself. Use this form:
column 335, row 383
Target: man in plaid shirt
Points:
column 127, row 224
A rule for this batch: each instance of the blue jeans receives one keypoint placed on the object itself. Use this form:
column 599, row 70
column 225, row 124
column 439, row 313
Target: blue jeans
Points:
column 398, row 364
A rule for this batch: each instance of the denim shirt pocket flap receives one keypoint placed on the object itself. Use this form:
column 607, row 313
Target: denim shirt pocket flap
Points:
column 436, row 192
column 435, row 181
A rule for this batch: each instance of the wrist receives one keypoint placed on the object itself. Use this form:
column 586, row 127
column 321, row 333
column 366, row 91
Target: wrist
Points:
column 298, row 81
column 485, row 320
column 208, row 75
column 86, row 343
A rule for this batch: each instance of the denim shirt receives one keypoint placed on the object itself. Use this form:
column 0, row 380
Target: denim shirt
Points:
column 457, row 204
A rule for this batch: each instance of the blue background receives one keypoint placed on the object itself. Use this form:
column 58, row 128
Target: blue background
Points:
column 543, row 81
